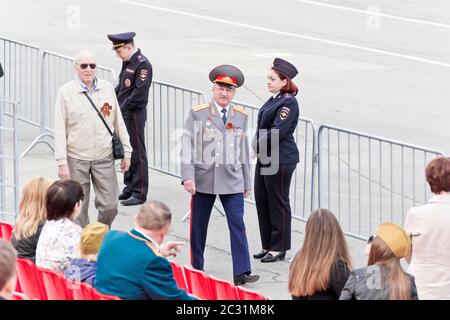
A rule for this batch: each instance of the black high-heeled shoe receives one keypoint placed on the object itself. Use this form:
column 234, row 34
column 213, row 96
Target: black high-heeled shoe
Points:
column 272, row 258
column 261, row 254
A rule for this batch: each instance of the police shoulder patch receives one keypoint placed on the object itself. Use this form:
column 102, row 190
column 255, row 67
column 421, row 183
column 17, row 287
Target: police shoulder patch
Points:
column 141, row 58
column 200, row 107
column 240, row 109
column 284, row 112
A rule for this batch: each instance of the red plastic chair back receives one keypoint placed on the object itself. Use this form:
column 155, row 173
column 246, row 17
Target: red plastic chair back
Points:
column 30, row 280
column 103, row 296
column 82, row 291
column 245, row 294
column 199, row 284
column 19, row 296
column 56, row 285
column 225, row 290
column 178, row 274
column 5, row 230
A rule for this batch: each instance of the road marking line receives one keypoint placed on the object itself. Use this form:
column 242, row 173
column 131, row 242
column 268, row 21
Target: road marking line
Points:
column 289, row 34
column 391, row 16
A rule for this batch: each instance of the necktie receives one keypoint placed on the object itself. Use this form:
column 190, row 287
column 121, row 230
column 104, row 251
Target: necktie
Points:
column 224, row 117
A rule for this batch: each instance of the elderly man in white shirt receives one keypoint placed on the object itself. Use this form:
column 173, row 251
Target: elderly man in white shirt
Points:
column 83, row 145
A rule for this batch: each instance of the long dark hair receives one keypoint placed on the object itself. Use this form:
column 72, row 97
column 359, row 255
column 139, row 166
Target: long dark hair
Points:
column 324, row 243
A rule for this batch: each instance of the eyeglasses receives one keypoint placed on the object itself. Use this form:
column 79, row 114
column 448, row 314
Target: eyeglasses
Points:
column 85, row 65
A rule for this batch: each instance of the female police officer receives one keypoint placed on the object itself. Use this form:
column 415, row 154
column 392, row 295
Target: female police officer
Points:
column 278, row 156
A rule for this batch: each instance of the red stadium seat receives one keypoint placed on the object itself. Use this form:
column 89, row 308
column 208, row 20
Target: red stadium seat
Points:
column 5, row 230
column 56, row 285
column 178, row 274
column 83, row 291
column 225, row 290
column 19, row 296
column 102, row 296
column 245, row 294
column 199, row 284
column 30, row 280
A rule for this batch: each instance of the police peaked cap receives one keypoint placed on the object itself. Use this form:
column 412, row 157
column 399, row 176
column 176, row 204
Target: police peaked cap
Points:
column 284, row 67
column 121, row 39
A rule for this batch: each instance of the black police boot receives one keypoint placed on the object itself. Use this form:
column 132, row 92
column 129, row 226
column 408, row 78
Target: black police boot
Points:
column 245, row 278
column 132, row 201
column 124, row 196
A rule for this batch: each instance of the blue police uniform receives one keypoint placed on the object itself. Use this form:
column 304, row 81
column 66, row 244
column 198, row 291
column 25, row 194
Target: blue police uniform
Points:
column 129, row 266
column 132, row 93
column 275, row 166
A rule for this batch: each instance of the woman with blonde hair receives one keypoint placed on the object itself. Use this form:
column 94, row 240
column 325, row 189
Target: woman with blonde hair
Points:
column 321, row 267
column 31, row 218
column 384, row 277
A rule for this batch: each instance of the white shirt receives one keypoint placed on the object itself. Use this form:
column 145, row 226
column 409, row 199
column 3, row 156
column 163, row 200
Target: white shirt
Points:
column 219, row 108
column 275, row 94
column 147, row 237
column 429, row 227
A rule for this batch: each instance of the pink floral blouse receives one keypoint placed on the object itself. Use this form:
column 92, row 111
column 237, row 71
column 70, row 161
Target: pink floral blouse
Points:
column 58, row 244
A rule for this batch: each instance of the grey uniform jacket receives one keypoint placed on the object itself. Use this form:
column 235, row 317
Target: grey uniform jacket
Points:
column 216, row 155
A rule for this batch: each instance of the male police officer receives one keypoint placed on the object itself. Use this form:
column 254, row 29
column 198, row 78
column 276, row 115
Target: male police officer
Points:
column 132, row 93
column 215, row 161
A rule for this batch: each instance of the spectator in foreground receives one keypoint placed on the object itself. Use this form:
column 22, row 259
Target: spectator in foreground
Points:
column 321, row 267
column 132, row 265
column 83, row 269
column 8, row 277
column 31, row 218
column 59, row 241
column 429, row 228
column 383, row 278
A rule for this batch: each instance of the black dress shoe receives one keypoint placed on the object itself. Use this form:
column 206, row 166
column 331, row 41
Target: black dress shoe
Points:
column 261, row 254
column 245, row 278
column 132, row 201
column 272, row 258
column 124, row 196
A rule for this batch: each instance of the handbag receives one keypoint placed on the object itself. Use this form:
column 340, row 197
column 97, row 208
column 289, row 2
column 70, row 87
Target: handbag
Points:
column 117, row 145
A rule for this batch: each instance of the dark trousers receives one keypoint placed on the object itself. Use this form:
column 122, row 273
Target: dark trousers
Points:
column 201, row 206
column 274, row 210
column 136, row 178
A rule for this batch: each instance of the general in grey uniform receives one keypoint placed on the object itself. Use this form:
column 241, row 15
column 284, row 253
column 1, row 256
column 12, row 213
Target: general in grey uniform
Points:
column 215, row 161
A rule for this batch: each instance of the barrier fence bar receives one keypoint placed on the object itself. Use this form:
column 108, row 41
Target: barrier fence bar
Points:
column 366, row 180
column 167, row 107
column 21, row 64
column 9, row 160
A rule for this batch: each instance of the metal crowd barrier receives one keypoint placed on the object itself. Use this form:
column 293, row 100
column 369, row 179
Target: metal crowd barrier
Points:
column 22, row 66
column 167, row 110
column 366, row 180
column 9, row 160
column 56, row 69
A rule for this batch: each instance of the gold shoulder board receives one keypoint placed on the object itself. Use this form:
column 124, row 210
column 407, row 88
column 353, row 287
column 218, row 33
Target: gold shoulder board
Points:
column 200, row 107
column 240, row 109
